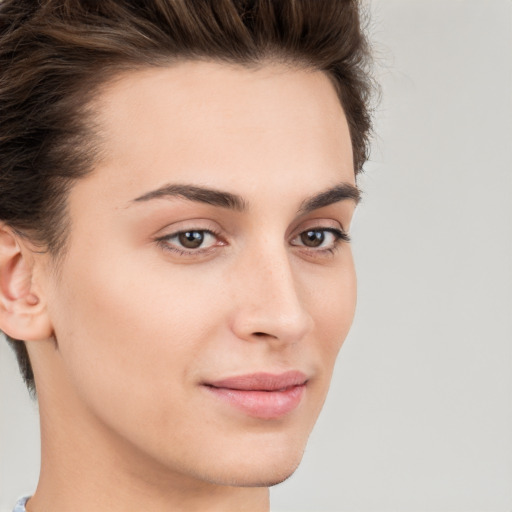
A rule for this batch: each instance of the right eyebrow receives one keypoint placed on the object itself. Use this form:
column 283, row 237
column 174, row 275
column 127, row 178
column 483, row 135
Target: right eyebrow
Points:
column 198, row 194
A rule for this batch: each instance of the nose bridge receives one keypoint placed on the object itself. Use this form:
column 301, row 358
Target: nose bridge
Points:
column 269, row 302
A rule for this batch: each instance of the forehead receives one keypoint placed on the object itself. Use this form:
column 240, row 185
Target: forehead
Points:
column 215, row 122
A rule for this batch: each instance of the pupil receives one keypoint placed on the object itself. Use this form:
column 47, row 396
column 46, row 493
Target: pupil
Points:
column 312, row 238
column 191, row 239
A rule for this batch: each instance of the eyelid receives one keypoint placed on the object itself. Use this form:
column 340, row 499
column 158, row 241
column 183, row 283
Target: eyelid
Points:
column 320, row 223
column 206, row 226
column 184, row 231
column 339, row 234
column 327, row 223
column 186, row 252
column 164, row 235
column 192, row 224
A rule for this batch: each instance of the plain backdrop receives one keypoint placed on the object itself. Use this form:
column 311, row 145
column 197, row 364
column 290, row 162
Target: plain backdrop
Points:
column 419, row 417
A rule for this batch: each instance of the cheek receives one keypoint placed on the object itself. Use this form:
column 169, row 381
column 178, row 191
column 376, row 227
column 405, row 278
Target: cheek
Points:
column 118, row 323
column 333, row 305
column 130, row 341
column 331, row 302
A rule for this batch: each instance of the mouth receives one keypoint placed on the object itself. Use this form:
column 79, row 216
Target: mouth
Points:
column 261, row 395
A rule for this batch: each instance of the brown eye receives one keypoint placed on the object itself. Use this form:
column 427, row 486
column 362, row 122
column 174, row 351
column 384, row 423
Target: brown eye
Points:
column 320, row 239
column 191, row 242
column 191, row 239
column 312, row 238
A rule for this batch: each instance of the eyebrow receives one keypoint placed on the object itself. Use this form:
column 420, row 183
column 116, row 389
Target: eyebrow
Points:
column 198, row 194
column 340, row 192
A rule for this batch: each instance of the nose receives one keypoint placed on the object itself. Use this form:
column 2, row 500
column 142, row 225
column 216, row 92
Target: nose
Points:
column 269, row 305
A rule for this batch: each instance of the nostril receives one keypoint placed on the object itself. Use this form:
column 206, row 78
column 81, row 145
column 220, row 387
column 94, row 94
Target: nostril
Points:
column 263, row 335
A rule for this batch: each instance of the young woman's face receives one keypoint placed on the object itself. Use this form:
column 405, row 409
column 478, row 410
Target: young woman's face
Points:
column 207, row 285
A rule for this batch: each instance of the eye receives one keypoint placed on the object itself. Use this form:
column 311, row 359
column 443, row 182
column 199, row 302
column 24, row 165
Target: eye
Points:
column 189, row 241
column 320, row 238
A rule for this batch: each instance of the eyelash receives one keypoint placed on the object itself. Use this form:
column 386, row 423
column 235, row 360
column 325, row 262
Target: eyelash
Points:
column 164, row 242
column 340, row 236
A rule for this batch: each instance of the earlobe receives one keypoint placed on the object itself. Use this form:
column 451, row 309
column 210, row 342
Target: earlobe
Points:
column 23, row 314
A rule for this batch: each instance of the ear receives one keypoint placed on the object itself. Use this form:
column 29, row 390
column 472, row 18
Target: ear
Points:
column 23, row 314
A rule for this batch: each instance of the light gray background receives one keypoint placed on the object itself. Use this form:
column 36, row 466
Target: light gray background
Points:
column 419, row 417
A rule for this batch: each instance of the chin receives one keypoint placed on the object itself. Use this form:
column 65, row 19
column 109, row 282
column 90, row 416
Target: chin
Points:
column 264, row 468
column 267, row 477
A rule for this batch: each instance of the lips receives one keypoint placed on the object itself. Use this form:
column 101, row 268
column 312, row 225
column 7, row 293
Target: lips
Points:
column 261, row 395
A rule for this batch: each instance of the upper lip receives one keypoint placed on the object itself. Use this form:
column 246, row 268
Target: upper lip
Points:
column 261, row 381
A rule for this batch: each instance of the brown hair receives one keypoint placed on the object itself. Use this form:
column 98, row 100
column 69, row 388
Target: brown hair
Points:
column 55, row 54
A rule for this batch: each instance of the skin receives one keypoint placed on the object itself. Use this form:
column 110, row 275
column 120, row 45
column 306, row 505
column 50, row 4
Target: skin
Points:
column 129, row 329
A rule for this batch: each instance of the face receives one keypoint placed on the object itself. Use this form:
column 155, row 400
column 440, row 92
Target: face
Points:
column 208, row 284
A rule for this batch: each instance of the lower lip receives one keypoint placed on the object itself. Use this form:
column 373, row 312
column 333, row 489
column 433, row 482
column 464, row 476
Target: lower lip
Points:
column 266, row 405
